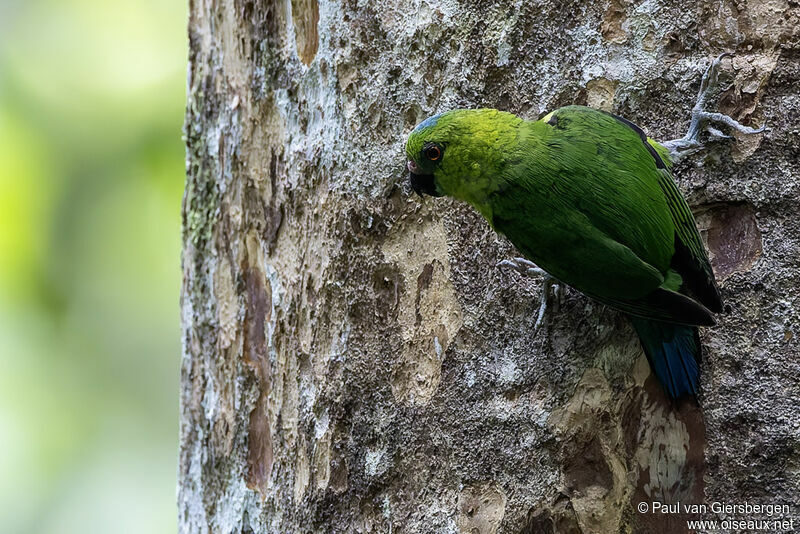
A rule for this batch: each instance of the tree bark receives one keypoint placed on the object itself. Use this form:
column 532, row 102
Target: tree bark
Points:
column 354, row 362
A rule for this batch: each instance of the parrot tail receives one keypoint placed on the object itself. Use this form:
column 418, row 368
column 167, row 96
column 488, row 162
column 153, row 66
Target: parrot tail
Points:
column 674, row 353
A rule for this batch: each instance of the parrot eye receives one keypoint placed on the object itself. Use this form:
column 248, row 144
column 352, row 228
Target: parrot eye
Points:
column 433, row 152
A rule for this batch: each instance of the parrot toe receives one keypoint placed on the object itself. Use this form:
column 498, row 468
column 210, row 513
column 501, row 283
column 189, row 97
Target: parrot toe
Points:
column 548, row 283
column 528, row 268
column 523, row 267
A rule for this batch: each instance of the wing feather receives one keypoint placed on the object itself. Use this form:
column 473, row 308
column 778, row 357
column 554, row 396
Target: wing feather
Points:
column 690, row 259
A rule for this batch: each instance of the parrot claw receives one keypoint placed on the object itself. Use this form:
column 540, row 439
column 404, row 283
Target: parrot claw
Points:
column 701, row 118
column 522, row 266
column 528, row 268
column 716, row 134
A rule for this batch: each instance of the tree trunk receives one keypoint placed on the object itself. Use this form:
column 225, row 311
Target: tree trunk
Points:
column 354, row 362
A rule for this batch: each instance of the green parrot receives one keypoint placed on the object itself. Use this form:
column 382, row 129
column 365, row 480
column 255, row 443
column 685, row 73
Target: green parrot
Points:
column 590, row 199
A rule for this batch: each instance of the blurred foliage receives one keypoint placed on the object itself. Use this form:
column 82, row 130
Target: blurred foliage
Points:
column 91, row 175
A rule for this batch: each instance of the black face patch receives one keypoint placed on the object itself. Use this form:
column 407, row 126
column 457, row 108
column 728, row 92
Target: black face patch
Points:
column 423, row 184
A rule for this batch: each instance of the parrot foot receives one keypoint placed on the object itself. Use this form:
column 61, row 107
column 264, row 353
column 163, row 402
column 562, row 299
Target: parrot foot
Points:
column 528, row 268
column 702, row 119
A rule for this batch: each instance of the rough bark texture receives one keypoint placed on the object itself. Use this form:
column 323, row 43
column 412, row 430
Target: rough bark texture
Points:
column 354, row 362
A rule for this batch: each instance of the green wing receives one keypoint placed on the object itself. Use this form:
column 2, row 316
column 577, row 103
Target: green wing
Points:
column 588, row 199
column 690, row 259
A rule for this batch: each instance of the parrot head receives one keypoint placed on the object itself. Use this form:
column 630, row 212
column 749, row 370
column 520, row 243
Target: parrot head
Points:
column 425, row 148
column 460, row 153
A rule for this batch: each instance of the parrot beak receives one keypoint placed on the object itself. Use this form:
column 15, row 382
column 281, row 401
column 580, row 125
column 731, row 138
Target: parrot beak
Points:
column 421, row 183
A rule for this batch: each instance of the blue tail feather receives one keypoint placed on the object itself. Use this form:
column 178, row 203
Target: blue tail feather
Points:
column 674, row 353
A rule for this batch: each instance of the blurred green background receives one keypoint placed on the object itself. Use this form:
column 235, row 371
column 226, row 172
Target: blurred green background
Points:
column 91, row 176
